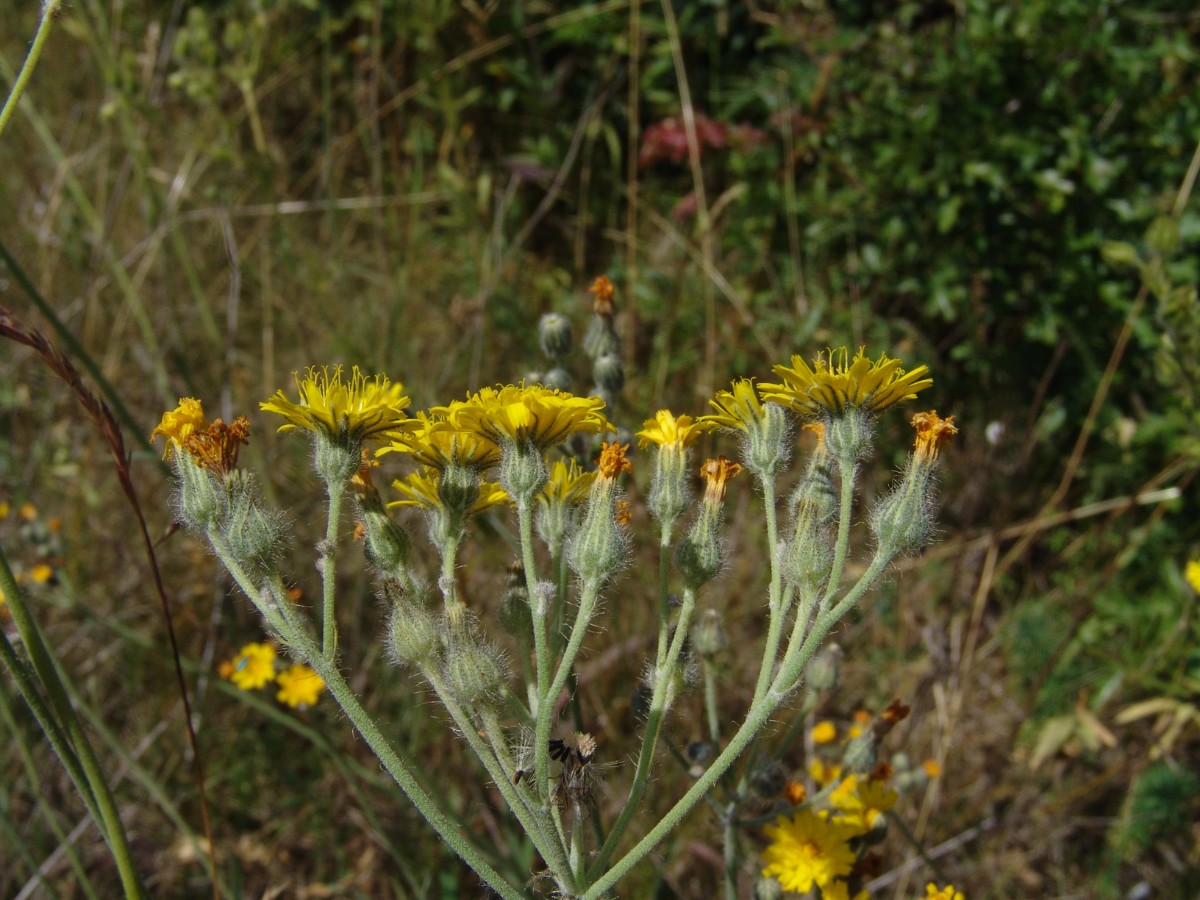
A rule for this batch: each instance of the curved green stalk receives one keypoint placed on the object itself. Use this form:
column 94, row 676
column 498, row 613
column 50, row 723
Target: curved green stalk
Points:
column 538, row 613
column 285, row 620
column 664, row 601
column 50, row 9
column 846, row 470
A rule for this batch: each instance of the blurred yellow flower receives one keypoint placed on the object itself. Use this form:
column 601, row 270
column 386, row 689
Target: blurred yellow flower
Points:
column 806, row 850
column 835, row 381
column 4, row 509
column 421, row 489
column 519, row 414
column 41, row 573
column 433, row 441
column 252, row 668
column 860, row 802
column 668, row 431
column 28, row 512
column 824, row 773
column 299, row 686
column 824, row 732
column 739, row 408
column 933, row 892
column 362, row 407
column 840, row 890
column 932, row 769
column 1192, row 574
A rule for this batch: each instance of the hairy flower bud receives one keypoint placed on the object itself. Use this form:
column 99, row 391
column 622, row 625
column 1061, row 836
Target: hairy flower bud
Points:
column 475, row 672
column 903, row 519
column 708, row 635
column 767, row 447
column 415, row 635
column 554, row 334
column 859, row 755
column 609, row 373
column 522, row 470
column 387, row 545
column 253, row 535
column 669, row 492
column 598, row 547
column 848, row 436
column 557, row 379
column 203, row 499
column 825, row 668
column 514, row 607
column 601, row 338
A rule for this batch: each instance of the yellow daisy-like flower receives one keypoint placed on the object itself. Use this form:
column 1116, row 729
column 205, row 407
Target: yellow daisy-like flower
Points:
column 933, row 892
column 824, row 773
column 739, row 408
column 178, row 423
column 1192, row 574
column 252, row 668
column 299, row 686
column 860, row 802
column 41, row 573
column 835, row 381
column 520, row 414
column 806, row 850
column 435, row 442
column 824, row 732
column 668, row 431
column 362, row 407
column 420, row 489
column 568, row 484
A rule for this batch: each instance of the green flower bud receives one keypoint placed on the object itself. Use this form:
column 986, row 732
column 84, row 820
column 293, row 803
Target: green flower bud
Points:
column 554, row 334
column 609, row 374
column 387, row 545
column 669, row 492
column 522, row 471
column 903, row 520
column 253, row 535
column 336, row 461
column 848, row 436
column 768, row 779
column 558, row 379
column 475, row 672
column 859, row 755
column 203, row 499
column 767, row 444
column 415, row 635
column 599, row 546
column 768, row 889
column 809, row 557
column 601, row 338
column 514, row 608
column 825, row 668
column 699, row 557
column 708, row 635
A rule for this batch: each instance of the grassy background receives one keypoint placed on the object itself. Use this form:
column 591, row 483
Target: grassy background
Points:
column 208, row 196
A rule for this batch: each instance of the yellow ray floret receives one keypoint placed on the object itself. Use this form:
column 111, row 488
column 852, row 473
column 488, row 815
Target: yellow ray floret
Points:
column 434, row 441
column 362, row 407
column 835, row 382
column 178, row 423
column 667, row 430
column 420, row 489
column 526, row 414
column 299, row 686
column 739, row 407
column 567, row 484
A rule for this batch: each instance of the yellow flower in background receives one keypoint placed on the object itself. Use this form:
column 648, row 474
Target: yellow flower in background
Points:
column 1192, row 574
column 668, row 431
column 933, row 892
column 840, row 890
column 806, row 850
column 519, row 414
column 299, row 686
column 252, row 668
column 4, row 509
column 178, row 423
column 824, row 732
column 568, row 484
column 739, row 408
column 835, row 381
column 41, row 573
column 824, row 773
column 860, row 802
column 931, row 768
column 435, row 442
column 420, row 489
column 28, row 512
column 362, row 407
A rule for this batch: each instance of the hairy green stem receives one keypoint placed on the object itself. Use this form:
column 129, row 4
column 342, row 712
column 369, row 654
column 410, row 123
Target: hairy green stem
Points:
column 729, row 834
column 846, row 469
column 329, row 637
column 664, row 599
column 285, row 621
column 541, row 648
column 659, row 702
column 50, row 9
column 710, row 703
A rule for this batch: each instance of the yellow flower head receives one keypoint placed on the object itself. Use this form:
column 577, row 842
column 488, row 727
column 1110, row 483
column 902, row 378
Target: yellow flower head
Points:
column 435, row 442
column 178, row 423
column 932, row 432
column 612, row 461
column 1192, row 574
column 252, row 668
column 835, row 381
column 824, row 732
column 299, row 686
column 41, row 574
column 738, row 408
column 807, row 850
column 716, row 474
column 421, row 489
column 933, row 892
column 668, row 431
column 216, row 447
column 824, row 773
column 520, row 414
column 860, row 802
column 567, row 484
column 840, row 890
column 602, row 287
column 363, row 407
